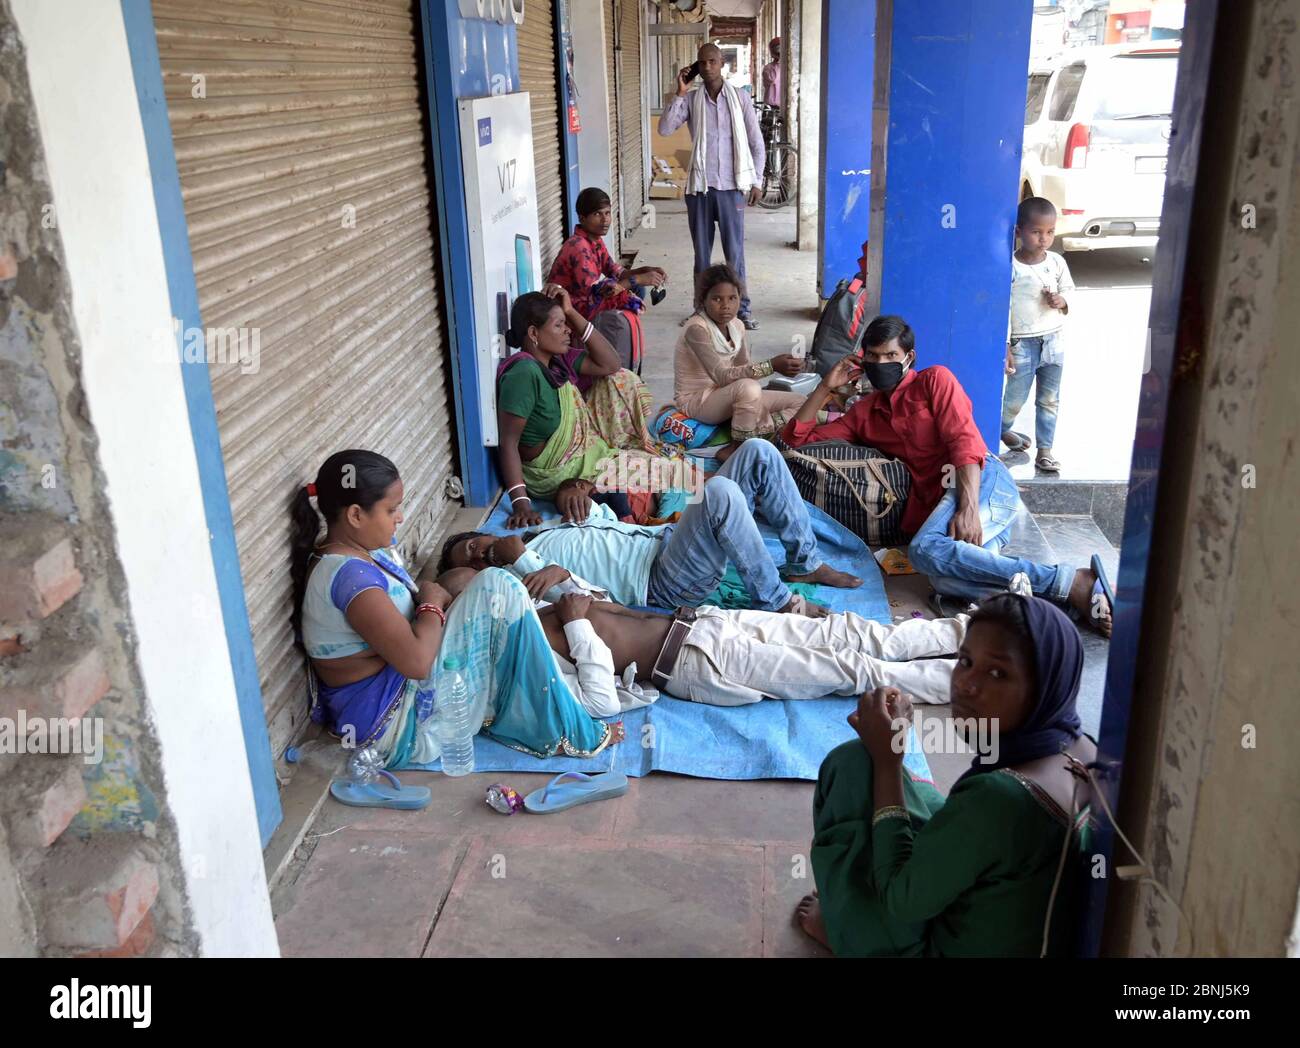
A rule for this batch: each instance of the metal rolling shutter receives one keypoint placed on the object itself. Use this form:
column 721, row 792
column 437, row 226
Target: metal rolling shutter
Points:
column 537, row 76
column 615, row 236
column 311, row 107
column 630, row 116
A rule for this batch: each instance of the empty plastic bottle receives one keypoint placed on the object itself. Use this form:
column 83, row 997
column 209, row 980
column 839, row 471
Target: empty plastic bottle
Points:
column 455, row 733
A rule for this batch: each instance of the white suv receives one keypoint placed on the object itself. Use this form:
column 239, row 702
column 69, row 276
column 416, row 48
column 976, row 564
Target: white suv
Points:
column 1097, row 141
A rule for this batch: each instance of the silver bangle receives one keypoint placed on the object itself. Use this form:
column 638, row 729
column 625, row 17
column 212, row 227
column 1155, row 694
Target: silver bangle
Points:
column 521, row 498
column 587, row 334
column 521, row 484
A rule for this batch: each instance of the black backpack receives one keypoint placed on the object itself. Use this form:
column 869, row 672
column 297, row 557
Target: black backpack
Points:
column 842, row 325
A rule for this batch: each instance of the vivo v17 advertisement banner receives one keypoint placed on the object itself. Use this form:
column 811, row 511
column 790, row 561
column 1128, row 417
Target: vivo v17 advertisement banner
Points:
column 496, row 135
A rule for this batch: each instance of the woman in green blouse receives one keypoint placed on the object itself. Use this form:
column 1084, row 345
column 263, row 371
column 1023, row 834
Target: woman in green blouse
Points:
column 559, row 443
column 901, row 871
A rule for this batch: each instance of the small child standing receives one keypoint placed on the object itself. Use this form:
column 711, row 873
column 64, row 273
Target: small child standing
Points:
column 1039, row 283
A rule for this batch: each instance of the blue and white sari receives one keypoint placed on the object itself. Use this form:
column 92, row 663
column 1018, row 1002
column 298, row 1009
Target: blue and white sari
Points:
column 516, row 690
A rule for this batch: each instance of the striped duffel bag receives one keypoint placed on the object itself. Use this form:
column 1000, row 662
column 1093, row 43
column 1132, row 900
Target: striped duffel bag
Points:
column 856, row 485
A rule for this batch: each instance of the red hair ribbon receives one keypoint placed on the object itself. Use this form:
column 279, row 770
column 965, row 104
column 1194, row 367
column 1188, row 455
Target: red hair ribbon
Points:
column 311, row 491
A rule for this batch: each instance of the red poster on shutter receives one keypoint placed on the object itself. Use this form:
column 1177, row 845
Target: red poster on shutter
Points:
column 575, row 122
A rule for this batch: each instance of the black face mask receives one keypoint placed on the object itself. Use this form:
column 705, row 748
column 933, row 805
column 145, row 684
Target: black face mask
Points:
column 884, row 376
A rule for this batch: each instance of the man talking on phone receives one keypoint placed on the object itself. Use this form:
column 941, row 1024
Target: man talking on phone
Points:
column 963, row 501
column 727, row 160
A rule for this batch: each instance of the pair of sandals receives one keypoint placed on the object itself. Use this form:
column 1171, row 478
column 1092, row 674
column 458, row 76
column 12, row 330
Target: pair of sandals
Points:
column 1045, row 460
column 566, row 790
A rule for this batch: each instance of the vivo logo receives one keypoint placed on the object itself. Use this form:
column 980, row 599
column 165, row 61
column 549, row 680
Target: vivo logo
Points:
column 502, row 11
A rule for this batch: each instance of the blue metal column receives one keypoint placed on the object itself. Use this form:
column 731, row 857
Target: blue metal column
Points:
column 848, row 70
column 142, row 42
column 463, row 58
column 956, row 121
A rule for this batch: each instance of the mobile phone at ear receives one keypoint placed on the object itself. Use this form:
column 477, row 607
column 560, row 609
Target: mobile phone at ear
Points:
column 693, row 71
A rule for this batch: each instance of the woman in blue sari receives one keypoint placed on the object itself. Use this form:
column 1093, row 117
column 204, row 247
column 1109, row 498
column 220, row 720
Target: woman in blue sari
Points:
column 373, row 634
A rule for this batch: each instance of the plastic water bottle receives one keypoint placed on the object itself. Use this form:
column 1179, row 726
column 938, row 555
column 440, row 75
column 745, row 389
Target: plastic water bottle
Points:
column 455, row 733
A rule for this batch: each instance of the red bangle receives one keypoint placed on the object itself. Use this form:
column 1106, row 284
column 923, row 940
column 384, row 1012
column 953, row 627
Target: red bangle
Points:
column 442, row 615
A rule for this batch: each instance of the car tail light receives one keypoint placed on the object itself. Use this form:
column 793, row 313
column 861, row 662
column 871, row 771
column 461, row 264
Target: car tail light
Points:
column 1076, row 146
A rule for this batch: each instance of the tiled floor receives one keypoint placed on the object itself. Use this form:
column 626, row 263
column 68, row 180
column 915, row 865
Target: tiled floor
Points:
column 1105, row 338
column 676, row 867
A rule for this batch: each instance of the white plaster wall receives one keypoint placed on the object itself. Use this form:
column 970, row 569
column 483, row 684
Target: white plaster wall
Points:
column 587, row 20
column 85, row 97
column 810, row 125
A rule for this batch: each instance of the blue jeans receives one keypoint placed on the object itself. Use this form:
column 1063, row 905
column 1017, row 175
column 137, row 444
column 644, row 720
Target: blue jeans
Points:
column 1026, row 355
column 721, row 528
column 970, row 572
column 724, row 208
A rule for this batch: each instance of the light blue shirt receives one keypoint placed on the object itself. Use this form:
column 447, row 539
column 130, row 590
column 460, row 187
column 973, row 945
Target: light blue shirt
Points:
column 615, row 556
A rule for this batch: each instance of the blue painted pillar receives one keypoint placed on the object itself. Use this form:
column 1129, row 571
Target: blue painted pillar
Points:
column 848, row 69
column 464, row 58
column 956, row 119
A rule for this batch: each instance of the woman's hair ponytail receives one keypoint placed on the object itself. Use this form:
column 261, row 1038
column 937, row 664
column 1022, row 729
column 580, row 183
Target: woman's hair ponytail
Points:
column 346, row 478
column 305, row 528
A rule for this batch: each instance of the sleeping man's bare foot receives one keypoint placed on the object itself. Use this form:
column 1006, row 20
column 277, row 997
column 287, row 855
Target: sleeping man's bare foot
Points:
column 808, row 915
column 828, row 576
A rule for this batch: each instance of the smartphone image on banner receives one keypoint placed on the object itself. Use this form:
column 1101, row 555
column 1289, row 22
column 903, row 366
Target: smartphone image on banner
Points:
column 524, row 263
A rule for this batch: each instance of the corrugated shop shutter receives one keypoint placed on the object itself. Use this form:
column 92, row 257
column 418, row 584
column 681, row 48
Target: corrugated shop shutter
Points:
column 630, row 115
column 303, row 164
column 537, row 76
column 615, row 236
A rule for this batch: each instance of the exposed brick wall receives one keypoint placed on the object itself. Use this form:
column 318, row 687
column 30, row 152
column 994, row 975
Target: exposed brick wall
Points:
column 75, row 879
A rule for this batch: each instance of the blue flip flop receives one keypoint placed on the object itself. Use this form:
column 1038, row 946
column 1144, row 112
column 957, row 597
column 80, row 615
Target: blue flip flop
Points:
column 391, row 794
column 1103, row 580
column 558, row 794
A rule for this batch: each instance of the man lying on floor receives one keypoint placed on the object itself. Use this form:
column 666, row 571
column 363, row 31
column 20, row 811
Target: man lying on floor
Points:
column 730, row 658
column 683, row 563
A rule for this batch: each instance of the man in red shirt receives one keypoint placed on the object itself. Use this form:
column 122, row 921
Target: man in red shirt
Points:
column 585, row 269
column 963, row 500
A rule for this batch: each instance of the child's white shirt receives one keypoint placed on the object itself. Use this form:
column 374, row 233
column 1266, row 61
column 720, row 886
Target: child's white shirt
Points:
column 1031, row 316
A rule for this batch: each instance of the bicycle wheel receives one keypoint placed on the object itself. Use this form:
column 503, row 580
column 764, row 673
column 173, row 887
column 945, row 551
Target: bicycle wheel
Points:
column 780, row 176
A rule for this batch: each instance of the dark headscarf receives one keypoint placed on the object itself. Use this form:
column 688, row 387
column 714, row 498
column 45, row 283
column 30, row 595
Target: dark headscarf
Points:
column 1058, row 663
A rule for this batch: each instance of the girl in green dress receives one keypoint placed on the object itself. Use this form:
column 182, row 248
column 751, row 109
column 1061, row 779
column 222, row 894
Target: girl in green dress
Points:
column 901, row 871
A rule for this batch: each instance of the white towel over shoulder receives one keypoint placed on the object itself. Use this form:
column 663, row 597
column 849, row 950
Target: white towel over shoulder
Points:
column 743, row 162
